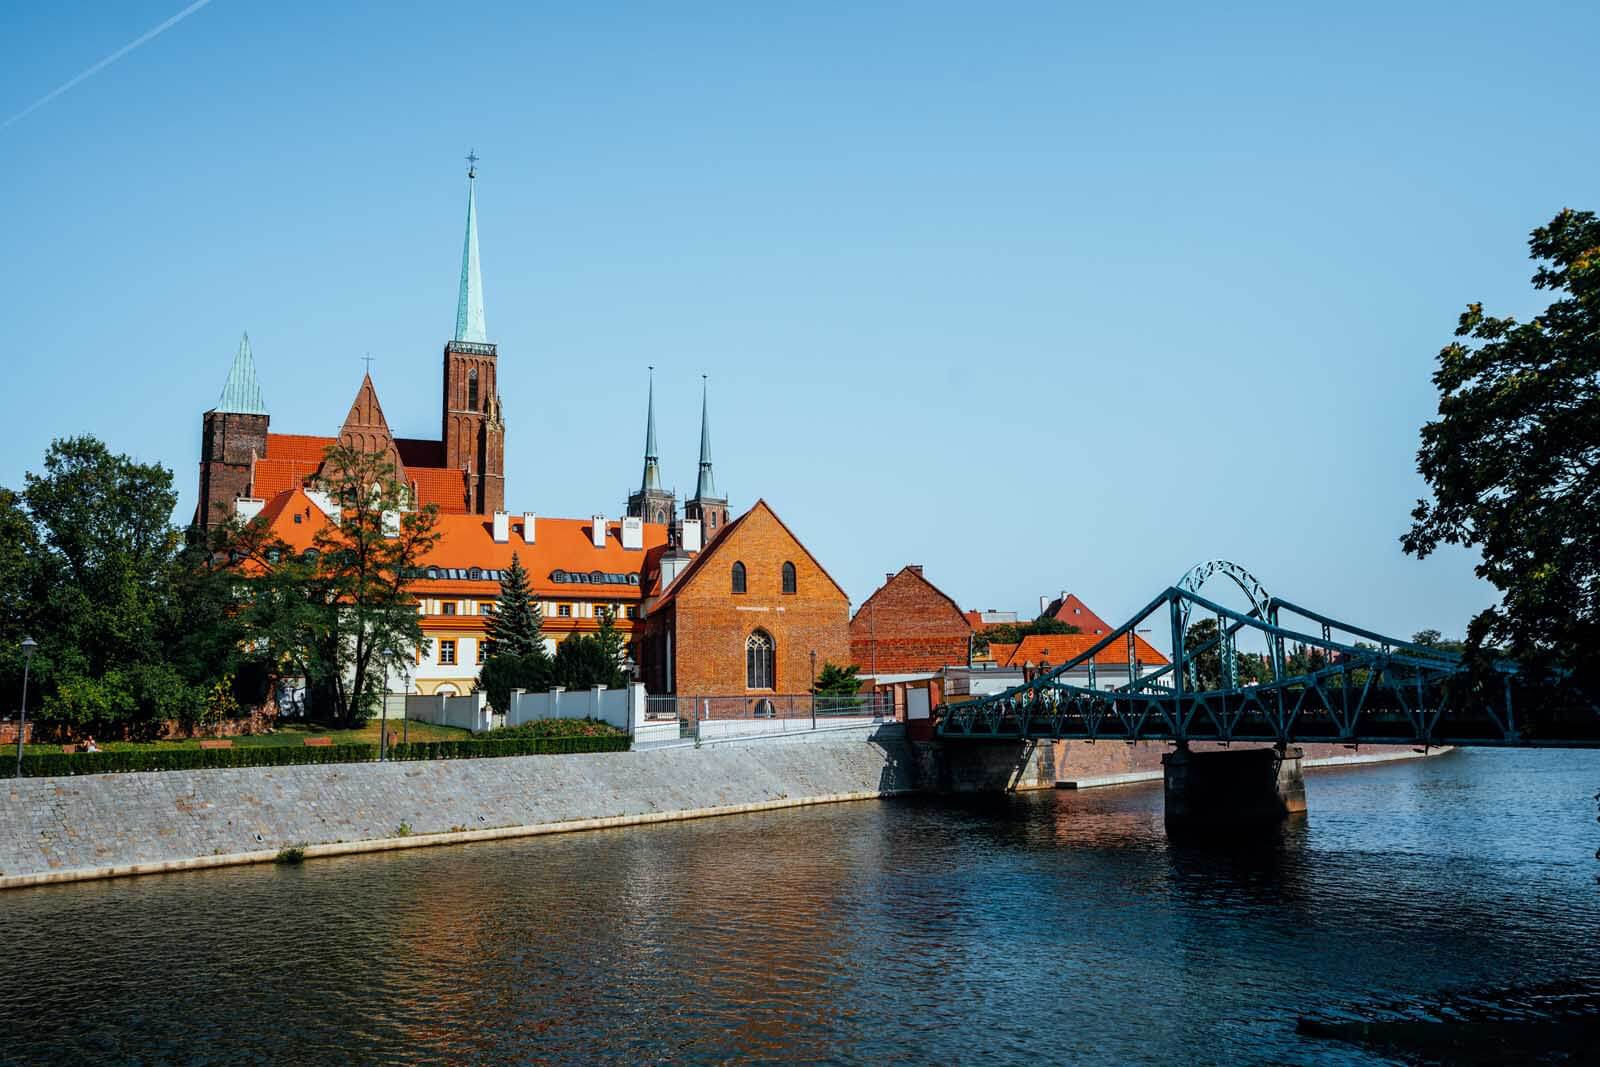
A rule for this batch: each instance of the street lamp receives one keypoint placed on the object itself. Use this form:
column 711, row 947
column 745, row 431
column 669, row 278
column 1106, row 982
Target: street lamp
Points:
column 28, row 647
column 813, row 689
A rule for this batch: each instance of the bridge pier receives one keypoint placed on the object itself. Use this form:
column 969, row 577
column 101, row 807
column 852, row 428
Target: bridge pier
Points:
column 1231, row 790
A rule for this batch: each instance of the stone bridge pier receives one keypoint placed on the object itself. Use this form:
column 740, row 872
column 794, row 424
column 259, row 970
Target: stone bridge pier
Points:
column 1228, row 791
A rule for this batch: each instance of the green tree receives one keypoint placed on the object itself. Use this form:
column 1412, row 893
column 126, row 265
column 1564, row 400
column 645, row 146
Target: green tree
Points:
column 1012, row 633
column 1513, row 461
column 517, row 626
column 340, row 615
column 836, row 681
column 500, row 674
column 582, row 662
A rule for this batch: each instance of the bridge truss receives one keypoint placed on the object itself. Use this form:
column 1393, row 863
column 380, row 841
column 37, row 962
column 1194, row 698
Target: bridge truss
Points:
column 1321, row 680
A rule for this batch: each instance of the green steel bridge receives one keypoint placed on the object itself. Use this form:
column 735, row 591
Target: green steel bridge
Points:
column 1342, row 684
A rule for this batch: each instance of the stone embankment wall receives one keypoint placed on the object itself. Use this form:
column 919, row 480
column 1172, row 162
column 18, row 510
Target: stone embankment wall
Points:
column 65, row 829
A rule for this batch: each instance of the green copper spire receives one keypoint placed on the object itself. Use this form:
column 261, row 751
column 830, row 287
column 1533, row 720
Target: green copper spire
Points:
column 241, row 395
column 706, row 487
column 652, row 467
column 469, row 304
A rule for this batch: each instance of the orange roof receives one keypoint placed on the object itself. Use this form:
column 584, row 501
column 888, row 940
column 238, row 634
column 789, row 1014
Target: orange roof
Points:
column 560, row 545
column 293, row 458
column 294, row 518
column 1057, row 649
column 1068, row 608
column 444, row 487
column 1001, row 653
column 467, row 542
column 298, row 446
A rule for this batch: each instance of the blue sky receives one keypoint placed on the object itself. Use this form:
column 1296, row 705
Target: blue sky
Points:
column 1041, row 296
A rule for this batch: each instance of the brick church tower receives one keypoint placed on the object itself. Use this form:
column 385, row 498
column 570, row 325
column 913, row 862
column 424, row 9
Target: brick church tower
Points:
column 472, row 431
column 232, row 435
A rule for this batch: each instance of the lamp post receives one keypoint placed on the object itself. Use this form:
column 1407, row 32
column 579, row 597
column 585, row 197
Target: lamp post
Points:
column 28, row 646
column 813, row 689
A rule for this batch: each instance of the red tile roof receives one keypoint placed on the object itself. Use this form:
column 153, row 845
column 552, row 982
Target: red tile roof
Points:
column 292, row 459
column 1069, row 608
column 281, row 513
column 1057, row 649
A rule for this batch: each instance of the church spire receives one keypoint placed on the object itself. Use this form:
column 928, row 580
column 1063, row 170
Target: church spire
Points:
column 241, row 394
column 652, row 466
column 469, row 305
column 706, row 487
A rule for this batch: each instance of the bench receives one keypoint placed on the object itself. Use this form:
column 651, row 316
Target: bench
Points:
column 314, row 741
column 216, row 744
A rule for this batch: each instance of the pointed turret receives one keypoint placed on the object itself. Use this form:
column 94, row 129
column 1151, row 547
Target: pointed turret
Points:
column 650, row 502
column 705, row 487
column 469, row 304
column 241, row 394
column 652, row 461
column 709, row 509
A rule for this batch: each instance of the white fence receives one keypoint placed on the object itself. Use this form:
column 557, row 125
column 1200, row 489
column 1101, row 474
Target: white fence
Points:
column 619, row 707
column 470, row 712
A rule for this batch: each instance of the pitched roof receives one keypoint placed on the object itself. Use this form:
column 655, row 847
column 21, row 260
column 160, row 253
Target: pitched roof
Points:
column 467, row 541
column 241, row 393
column 1068, row 608
column 911, row 572
column 1001, row 653
column 699, row 562
column 1057, row 649
column 293, row 458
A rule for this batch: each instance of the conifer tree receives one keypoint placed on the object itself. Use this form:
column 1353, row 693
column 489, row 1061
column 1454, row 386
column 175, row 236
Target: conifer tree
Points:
column 517, row 626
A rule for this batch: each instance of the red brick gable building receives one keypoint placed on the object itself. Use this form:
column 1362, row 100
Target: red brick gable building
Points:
column 908, row 625
column 744, row 616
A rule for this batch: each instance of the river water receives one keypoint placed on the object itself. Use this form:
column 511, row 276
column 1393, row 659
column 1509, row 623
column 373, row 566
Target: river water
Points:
column 1052, row 927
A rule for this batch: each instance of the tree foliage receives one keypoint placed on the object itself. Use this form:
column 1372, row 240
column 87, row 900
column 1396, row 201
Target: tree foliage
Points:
column 837, row 681
column 500, row 674
column 583, row 661
column 1012, row 633
column 517, row 626
column 1513, row 460
column 340, row 615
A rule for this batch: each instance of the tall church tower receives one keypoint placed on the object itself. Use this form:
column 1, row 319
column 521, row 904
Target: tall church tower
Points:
column 473, row 433
column 706, row 505
column 651, row 502
column 233, row 435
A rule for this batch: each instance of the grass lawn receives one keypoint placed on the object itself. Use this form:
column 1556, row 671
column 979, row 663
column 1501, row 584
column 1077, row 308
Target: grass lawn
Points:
column 293, row 734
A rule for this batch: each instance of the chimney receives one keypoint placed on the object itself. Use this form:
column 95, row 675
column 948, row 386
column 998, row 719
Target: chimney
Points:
column 690, row 538
column 672, row 565
column 597, row 531
column 633, row 533
column 391, row 523
column 914, row 568
column 1044, row 603
column 527, row 527
column 888, row 576
column 502, row 527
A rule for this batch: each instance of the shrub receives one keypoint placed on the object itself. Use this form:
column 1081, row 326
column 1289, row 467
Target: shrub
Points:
column 183, row 759
column 289, row 855
column 556, row 728
column 501, row 674
column 510, row 746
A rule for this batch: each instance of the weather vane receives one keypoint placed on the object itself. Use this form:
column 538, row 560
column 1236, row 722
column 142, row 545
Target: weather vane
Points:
column 472, row 162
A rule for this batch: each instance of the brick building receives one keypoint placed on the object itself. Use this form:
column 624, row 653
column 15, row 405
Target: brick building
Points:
column 243, row 464
column 744, row 616
column 908, row 625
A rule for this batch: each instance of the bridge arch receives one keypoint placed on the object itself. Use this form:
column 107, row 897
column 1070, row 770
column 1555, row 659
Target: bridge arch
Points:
column 1251, row 586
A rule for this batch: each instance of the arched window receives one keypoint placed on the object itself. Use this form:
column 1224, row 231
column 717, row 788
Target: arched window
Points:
column 472, row 389
column 788, row 577
column 738, row 577
column 758, row 657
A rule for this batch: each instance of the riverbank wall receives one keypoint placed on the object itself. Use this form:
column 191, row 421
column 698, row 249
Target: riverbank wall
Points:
column 111, row 825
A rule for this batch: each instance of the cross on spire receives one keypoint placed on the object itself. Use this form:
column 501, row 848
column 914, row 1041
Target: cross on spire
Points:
column 472, row 162
column 368, row 360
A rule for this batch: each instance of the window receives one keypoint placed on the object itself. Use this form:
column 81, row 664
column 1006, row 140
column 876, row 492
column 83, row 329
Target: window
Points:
column 633, row 611
column 738, row 577
column 480, row 653
column 711, row 519
column 448, row 607
column 788, row 577
column 447, row 652
column 486, row 607
column 565, row 611
column 758, row 661
column 472, row 390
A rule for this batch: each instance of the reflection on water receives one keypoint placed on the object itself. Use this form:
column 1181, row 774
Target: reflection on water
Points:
column 1056, row 926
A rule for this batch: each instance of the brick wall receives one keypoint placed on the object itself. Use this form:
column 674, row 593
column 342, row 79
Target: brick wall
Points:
column 710, row 623
column 228, row 443
column 908, row 625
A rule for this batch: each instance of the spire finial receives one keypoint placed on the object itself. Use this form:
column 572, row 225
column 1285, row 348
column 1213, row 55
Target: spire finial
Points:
column 470, row 324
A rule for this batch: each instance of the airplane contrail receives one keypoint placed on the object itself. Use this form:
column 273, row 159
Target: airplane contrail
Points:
column 106, row 62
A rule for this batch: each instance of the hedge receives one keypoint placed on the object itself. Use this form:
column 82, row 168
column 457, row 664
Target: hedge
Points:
column 56, row 764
